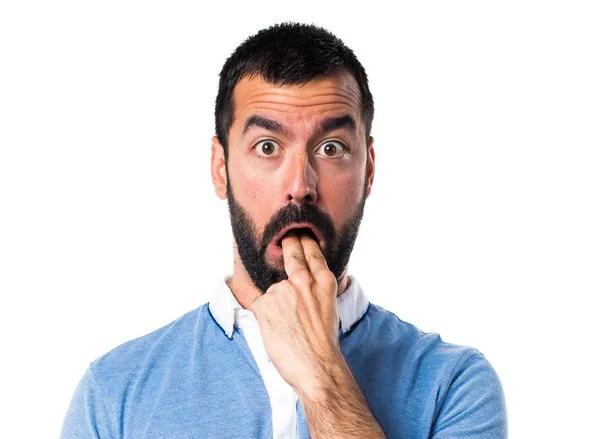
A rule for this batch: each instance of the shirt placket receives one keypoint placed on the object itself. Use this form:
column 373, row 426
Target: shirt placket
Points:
column 282, row 397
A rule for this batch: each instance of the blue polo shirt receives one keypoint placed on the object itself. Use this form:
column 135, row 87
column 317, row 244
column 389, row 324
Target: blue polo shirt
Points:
column 195, row 378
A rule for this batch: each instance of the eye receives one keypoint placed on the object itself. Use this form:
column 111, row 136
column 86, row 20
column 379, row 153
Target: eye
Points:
column 267, row 148
column 332, row 148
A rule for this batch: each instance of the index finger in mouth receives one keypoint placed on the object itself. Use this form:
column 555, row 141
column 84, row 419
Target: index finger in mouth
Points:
column 315, row 260
column 293, row 255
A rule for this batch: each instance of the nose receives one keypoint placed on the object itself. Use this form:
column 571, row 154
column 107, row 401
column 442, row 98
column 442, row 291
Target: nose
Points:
column 302, row 183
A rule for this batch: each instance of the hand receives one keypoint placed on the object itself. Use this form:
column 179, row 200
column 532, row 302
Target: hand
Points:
column 298, row 317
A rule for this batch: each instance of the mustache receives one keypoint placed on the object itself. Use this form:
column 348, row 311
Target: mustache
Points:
column 298, row 213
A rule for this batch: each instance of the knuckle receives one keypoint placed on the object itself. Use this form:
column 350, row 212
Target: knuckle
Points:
column 285, row 284
column 326, row 277
column 304, row 278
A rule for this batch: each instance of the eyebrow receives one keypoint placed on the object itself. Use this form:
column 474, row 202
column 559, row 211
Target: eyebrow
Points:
column 331, row 123
column 256, row 121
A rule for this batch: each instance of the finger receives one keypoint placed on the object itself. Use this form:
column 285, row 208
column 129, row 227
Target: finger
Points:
column 313, row 254
column 293, row 255
column 258, row 301
column 317, row 265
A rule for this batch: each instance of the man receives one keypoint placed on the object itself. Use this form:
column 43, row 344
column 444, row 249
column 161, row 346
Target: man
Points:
column 289, row 345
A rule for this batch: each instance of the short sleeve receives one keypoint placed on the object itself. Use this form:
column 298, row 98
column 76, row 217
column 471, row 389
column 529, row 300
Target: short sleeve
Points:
column 89, row 415
column 473, row 406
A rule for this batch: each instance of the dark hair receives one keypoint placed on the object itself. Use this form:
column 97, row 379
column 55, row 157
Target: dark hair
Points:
column 288, row 54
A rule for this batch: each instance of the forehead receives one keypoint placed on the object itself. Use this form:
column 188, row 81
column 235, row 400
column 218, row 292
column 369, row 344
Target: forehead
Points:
column 330, row 95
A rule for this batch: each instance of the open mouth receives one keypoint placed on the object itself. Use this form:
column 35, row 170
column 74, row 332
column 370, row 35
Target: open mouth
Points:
column 299, row 230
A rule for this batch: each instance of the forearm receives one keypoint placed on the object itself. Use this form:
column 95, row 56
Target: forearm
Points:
column 335, row 407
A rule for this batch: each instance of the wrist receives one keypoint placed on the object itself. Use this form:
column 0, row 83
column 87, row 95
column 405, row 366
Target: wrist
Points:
column 331, row 373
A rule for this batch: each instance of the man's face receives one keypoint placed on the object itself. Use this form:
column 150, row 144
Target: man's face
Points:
column 297, row 160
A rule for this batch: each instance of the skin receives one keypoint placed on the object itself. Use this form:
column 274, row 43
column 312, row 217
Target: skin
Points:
column 298, row 316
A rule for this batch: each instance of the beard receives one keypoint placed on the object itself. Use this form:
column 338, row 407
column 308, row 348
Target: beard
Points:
column 252, row 248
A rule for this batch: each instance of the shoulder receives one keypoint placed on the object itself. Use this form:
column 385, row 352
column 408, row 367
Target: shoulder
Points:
column 390, row 329
column 456, row 386
column 129, row 375
column 424, row 355
column 121, row 364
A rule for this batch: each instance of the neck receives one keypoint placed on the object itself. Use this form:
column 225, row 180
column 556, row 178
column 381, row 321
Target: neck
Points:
column 246, row 292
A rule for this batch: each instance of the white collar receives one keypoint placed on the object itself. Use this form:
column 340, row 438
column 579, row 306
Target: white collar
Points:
column 227, row 312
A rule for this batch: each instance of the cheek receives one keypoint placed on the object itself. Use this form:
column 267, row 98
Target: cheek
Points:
column 254, row 192
column 340, row 196
column 259, row 194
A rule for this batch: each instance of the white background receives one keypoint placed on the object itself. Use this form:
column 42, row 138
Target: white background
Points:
column 482, row 225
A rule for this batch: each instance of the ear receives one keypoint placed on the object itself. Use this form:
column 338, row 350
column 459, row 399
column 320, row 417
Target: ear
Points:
column 370, row 165
column 218, row 169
